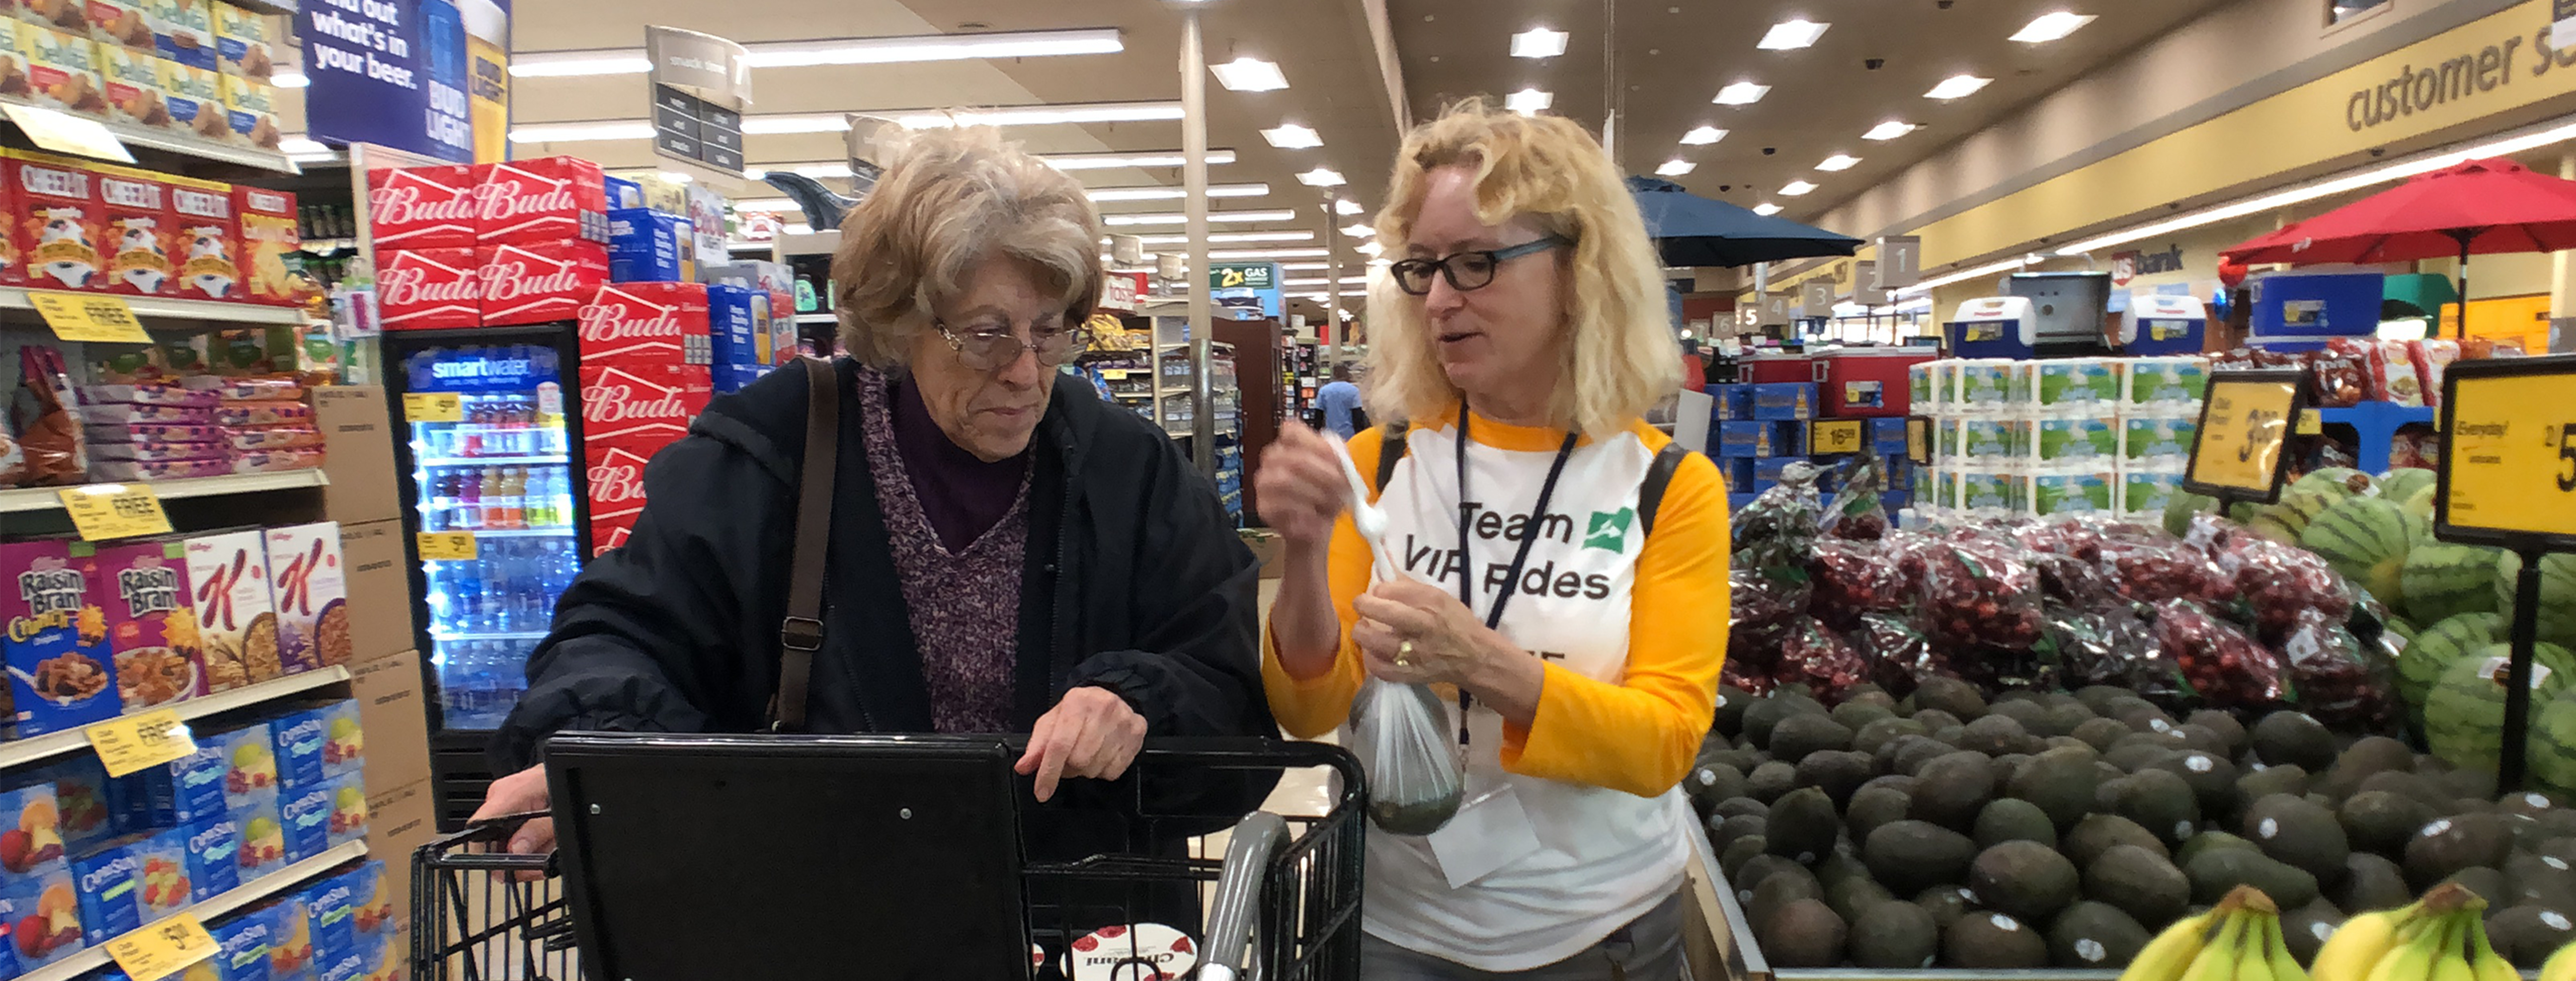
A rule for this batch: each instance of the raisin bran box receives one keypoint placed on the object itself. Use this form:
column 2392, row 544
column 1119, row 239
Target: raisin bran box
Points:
column 151, row 621
column 60, row 673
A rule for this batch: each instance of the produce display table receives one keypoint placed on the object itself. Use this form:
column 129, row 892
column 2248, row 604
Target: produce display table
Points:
column 2374, row 424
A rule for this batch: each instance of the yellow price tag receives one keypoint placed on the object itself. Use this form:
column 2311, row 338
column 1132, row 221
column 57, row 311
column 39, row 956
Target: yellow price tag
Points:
column 1918, row 440
column 105, row 511
column 90, row 317
column 162, row 949
column 2311, row 422
column 2243, row 424
column 1113, row 374
column 433, row 407
column 1829, row 436
column 140, row 742
column 2511, row 449
column 447, row 546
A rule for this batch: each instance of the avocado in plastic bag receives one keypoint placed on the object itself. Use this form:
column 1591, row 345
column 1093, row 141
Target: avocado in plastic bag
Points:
column 1414, row 780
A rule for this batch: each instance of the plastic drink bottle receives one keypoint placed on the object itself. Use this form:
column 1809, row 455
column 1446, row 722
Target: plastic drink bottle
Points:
column 467, row 513
column 514, row 497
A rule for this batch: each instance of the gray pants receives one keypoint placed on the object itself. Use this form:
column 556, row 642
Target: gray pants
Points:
column 1647, row 949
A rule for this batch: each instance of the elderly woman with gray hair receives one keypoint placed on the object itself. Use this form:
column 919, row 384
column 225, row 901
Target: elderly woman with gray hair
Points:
column 1007, row 554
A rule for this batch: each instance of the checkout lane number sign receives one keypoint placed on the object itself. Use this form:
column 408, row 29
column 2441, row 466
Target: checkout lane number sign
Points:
column 2508, row 472
column 2244, row 424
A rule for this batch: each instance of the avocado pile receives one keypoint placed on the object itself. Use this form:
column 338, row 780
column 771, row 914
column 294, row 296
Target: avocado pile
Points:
column 2066, row 830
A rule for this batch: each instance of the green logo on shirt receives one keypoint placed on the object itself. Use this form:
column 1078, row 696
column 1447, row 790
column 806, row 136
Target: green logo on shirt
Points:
column 1609, row 531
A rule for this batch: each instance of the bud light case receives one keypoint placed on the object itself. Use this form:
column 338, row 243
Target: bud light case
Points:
column 730, row 325
column 61, row 673
column 212, row 854
column 645, row 245
column 622, row 193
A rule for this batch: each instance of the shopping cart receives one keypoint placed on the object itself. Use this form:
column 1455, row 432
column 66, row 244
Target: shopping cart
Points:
column 1282, row 904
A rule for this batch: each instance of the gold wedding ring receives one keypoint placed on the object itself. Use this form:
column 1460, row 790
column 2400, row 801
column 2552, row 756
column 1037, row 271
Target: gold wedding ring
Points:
column 1402, row 652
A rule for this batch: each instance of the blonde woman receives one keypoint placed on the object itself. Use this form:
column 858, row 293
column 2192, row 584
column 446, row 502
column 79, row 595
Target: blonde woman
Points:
column 1522, row 331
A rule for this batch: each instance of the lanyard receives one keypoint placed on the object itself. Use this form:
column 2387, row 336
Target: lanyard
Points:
column 1520, row 559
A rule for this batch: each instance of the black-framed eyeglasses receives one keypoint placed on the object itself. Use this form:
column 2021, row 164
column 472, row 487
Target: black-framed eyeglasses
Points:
column 1464, row 270
column 987, row 345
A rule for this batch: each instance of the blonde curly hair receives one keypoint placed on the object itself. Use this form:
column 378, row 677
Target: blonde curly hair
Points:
column 1614, row 337
column 949, row 199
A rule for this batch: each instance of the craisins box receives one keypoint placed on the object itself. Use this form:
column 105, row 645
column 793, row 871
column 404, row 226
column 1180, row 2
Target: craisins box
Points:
column 421, row 207
column 538, row 200
column 536, row 282
column 54, row 223
column 139, row 231
column 423, row 289
column 210, row 238
column 629, row 412
column 268, row 236
column 646, row 324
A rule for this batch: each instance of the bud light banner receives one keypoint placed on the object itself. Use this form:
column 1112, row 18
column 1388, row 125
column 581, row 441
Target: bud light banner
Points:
column 394, row 72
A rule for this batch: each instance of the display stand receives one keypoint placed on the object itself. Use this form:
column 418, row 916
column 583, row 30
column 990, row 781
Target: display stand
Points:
column 2374, row 424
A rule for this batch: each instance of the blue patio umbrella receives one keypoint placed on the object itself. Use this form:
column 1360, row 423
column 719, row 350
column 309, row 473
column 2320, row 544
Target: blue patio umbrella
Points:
column 1690, row 230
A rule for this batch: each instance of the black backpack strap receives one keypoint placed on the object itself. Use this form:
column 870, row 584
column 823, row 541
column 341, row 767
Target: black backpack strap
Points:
column 1650, row 493
column 1390, row 453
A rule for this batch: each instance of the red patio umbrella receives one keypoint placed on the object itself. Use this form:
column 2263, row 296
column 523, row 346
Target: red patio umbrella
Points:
column 2479, row 207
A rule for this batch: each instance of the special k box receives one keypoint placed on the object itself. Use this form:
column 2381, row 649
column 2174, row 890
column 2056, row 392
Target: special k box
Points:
column 310, row 588
column 54, row 222
column 423, row 289
column 421, row 207
column 140, row 232
column 209, row 239
column 268, row 235
column 151, row 624
column 534, row 282
column 645, row 324
column 540, row 199
column 228, row 582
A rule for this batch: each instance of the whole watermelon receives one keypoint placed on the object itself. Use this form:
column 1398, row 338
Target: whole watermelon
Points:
column 2403, row 482
column 2557, row 595
column 2464, row 716
column 2181, row 508
column 2366, row 539
column 2419, row 502
column 2441, row 580
column 2310, row 496
column 2553, row 742
column 2433, row 651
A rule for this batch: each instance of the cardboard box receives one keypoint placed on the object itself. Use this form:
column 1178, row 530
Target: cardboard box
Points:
column 209, row 237
column 307, row 578
column 645, row 245
column 422, row 289
column 193, row 100
column 62, row 70
column 400, row 820
column 228, row 571
column 183, row 30
column 242, row 42
column 357, row 433
column 133, row 81
column 119, row 24
column 393, row 716
column 54, row 221
column 56, row 639
column 251, row 105
column 151, row 627
column 60, row 15
column 268, row 235
column 137, row 232
column 379, row 582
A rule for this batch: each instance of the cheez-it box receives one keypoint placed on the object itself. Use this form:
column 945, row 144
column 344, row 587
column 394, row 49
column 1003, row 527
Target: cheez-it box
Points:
column 421, row 207
column 209, row 241
column 536, row 282
column 139, row 232
column 268, row 236
column 54, row 222
column 419, row 289
column 540, row 199
column 645, row 323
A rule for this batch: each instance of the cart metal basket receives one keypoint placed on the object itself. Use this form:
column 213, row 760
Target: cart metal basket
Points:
column 1282, row 904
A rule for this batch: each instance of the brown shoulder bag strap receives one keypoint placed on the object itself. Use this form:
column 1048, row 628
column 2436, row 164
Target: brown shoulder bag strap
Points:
column 801, row 633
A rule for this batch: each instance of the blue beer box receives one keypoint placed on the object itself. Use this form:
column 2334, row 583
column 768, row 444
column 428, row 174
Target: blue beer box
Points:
column 623, row 193
column 1784, row 400
column 1739, row 500
column 1743, row 439
column 1887, row 434
column 1733, row 402
column 1737, row 471
column 1788, row 438
column 646, row 246
column 730, row 325
column 1896, row 501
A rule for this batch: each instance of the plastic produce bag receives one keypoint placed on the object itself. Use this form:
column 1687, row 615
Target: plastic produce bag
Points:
column 1821, row 659
column 1978, row 593
column 1898, row 654
column 2153, row 572
column 1779, row 528
column 2341, row 373
column 1856, row 577
column 49, row 430
column 2279, row 581
column 2218, row 661
column 2114, row 646
column 1762, row 605
column 1858, row 510
column 1401, row 734
column 2338, row 679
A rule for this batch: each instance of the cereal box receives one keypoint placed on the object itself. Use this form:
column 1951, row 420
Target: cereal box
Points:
column 59, row 668
column 44, row 917
column 55, row 222
column 213, row 856
column 193, row 100
column 242, row 42
column 183, row 30
column 151, row 627
column 62, row 70
column 268, row 235
column 228, row 574
column 208, row 238
column 32, row 844
column 120, row 24
column 263, row 838
column 60, row 15
column 106, row 878
column 133, row 80
column 250, row 764
column 311, row 594
column 138, row 233
column 251, row 104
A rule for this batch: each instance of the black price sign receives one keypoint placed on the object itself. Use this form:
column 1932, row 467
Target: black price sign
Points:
column 2244, row 424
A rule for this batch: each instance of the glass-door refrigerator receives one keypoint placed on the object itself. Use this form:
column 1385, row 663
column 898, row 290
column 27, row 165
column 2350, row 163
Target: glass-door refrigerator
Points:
column 493, row 427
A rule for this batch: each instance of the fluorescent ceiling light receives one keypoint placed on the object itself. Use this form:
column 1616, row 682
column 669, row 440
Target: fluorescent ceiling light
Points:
column 1796, row 188
column 1177, row 218
column 1102, row 161
column 1766, row 209
column 1359, row 230
column 1321, row 177
column 833, row 122
column 1538, row 42
column 1888, row 130
column 1528, row 102
column 1236, row 237
column 1290, row 136
column 1369, row 247
column 1839, row 161
column 1314, row 253
column 1703, row 136
column 2050, row 27
column 289, row 80
column 1249, row 75
column 1957, row 87
column 1792, row 35
column 1676, row 167
column 1741, row 94
column 1347, row 207
column 836, row 51
column 1964, row 275
column 1323, row 281
column 797, row 122
column 1304, row 266
column 1253, row 190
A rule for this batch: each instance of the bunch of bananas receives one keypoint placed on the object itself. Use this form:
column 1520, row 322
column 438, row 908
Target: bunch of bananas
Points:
column 2561, row 966
column 2237, row 940
column 2440, row 938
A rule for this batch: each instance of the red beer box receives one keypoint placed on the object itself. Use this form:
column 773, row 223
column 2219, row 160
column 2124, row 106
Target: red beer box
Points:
column 616, row 494
column 140, row 232
column 539, row 200
column 646, row 324
column 421, row 207
column 629, row 413
column 268, row 235
column 54, row 224
column 209, row 239
column 539, row 281
column 423, row 289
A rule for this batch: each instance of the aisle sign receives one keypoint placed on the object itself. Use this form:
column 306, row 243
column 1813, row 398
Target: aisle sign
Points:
column 419, row 407
column 104, row 511
column 2508, row 474
column 129, row 743
column 89, row 317
column 162, row 949
column 1918, row 440
column 700, row 84
column 2244, row 422
column 447, row 546
column 1828, row 437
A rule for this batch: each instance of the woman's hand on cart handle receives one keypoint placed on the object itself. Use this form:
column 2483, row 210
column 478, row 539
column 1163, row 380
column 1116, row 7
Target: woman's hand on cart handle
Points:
column 519, row 793
column 1091, row 733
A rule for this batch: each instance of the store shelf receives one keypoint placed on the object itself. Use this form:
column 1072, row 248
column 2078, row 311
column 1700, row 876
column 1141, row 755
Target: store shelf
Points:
column 286, row 7
column 493, row 461
column 744, row 245
column 492, row 635
column 94, row 957
column 818, row 318
column 517, row 532
column 25, row 751
column 170, row 142
column 44, row 498
column 325, row 245
column 156, row 307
